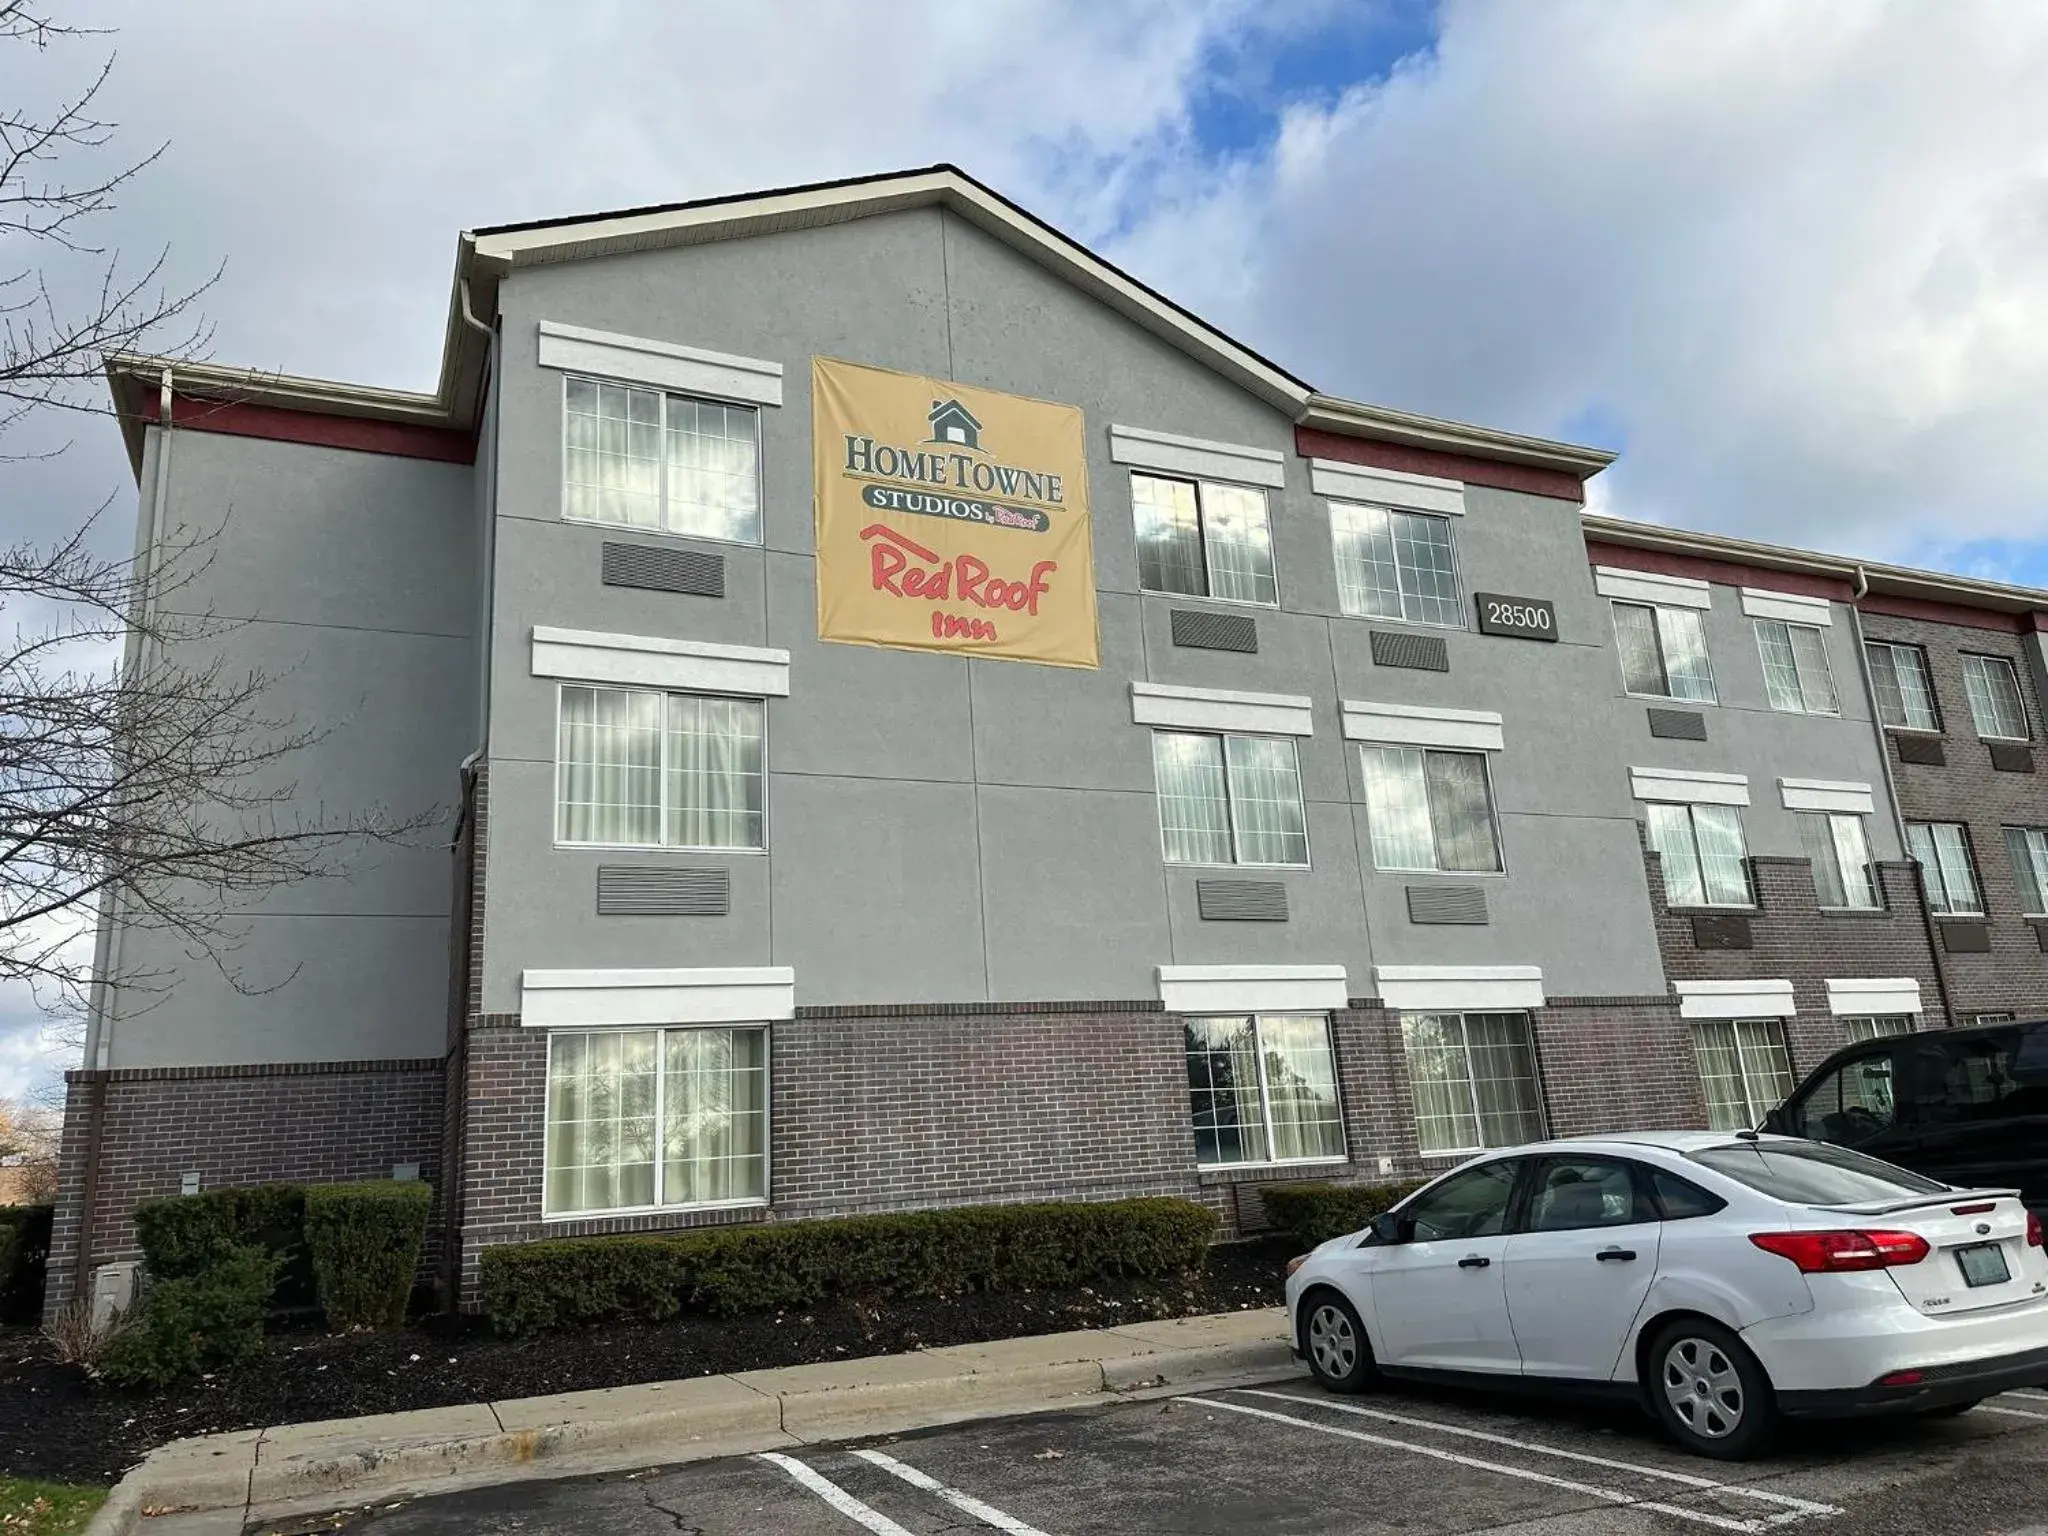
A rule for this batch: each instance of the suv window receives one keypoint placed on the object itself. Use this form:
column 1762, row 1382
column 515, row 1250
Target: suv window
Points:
column 1812, row 1172
column 1469, row 1204
column 1575, row 1192
column 1994, row 1076
column 1851, row 1105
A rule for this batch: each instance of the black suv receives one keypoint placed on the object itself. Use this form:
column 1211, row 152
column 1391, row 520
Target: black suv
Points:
column 1966, row 1106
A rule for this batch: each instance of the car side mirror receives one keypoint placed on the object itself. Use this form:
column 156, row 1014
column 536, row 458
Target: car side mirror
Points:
column 1390, row 1228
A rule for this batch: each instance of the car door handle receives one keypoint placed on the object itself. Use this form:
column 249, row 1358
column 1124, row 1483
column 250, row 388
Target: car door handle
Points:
column 1614, row 1253
column 1473, row 1261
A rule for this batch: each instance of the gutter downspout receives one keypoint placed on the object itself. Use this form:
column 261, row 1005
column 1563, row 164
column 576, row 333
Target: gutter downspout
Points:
column 1891, row 793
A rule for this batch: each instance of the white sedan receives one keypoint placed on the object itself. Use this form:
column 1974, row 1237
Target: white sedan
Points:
column 1724, row 1278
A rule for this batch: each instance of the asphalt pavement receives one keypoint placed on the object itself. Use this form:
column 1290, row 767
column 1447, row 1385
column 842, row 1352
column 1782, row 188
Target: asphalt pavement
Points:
column 1286, row 1459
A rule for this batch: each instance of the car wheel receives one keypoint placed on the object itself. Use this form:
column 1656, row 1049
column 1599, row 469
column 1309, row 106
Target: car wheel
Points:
column 1709, row 1390
column 1333, row 1341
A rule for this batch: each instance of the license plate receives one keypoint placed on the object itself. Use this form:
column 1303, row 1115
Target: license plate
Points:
column 1983, row 1264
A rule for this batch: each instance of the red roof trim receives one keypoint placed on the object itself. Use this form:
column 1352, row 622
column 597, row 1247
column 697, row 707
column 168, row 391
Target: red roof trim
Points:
column 1930, row 611
column 1726, row 572
column 1315, row 443
column 236, row 418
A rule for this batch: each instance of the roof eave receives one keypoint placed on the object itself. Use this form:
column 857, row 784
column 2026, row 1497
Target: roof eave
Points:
column 1355, row 418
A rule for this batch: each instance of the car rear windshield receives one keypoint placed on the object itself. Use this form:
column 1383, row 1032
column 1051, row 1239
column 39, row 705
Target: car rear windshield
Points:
column 1813, row 1173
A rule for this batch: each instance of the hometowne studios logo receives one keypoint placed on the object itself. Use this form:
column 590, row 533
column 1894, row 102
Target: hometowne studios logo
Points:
column 950, row 476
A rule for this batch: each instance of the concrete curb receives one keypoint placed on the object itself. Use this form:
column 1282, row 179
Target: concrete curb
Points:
column 213, row 1485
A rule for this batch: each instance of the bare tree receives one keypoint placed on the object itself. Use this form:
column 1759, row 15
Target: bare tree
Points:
column 139, row 769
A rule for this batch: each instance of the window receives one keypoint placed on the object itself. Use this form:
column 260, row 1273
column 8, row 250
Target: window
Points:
column 1851, row 1105
column 1994, row 693
column 643, row 459
column 2028, row 847
column 1796, row 667
column 1991, row 1018
column 1942, row 850
column 1814, row 1173
column 1578, row 1192
column 1842, row 872
column 1474, row 1078
column 1744, row 1070
column 1229, row 799
column 1663, row 652
column 1905, row 696
column 1681, row 1199
column 1706, row 862
column 1466, row 1205
column 669, row 770
column 656, row 1117
column 1263, row 1090
column 1395, row 565
column 1430, row 810
column 1203, row 539
column 1876, row 1026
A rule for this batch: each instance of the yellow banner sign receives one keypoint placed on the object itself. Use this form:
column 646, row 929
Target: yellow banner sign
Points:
column 951, row 518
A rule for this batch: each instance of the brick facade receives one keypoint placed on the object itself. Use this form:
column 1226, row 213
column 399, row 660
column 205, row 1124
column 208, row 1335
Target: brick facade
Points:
column 2013, row 976
column 133, row 1134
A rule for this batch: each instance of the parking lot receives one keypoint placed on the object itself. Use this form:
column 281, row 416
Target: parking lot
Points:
column 1284, row 1459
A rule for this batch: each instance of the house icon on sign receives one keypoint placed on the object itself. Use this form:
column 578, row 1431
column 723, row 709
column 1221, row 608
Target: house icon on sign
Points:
column 952, row 422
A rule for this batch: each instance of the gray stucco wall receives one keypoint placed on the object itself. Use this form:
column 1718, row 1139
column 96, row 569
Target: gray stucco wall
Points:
column 947, row 830
column 349, row 580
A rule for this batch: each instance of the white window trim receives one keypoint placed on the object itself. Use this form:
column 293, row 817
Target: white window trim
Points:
column 1649, row 587
column 650, row 999
column 654, row 661
column 612, row 1212
column 660, row 364
column 1222, row 709
column 1390, row 488
column 1266, row 1100
column 1500, row 852
column 1460, row 988
column 1237, row 989
column 1858, row 996
column 1416, row 725
column 1688, row 786
column 1814, row 611
column 751, row 851
column 1828, row 795
column 1197, row 457
column 2012, row 670
column 1734, row 999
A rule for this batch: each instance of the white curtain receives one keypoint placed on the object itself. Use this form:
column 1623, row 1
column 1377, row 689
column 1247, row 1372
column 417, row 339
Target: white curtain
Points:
column 609, row 766
column 1194, row 810
column 1817, row 842
column 1686, row 664
column 1721, row 1076
column 1852, row 853
column 1445, row 1120
column 1781, row 667
column 1642, row 656
column 714, row 478
column 1994, row 697
column 1671, row 838
column 1368, row 581
column 1169, row 536
column 1301, row 1086
column 1816, row 681
column 1724, row 857
column 1504, row 1089
column 1239, row 542
column 714, row 772
column 611, row 469
column 1265, row 800
column 2028, row 848
column 1461, row 812
column 600, row 1121
column 1397, row 808
column 715, row 1116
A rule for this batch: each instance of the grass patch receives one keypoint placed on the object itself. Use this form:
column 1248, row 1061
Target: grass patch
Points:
column 45, row 1509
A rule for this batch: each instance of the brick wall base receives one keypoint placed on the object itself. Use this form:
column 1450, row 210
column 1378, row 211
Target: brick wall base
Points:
column 133, row 1134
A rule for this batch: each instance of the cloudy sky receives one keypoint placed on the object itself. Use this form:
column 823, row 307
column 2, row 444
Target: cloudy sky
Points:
column 1790, row 258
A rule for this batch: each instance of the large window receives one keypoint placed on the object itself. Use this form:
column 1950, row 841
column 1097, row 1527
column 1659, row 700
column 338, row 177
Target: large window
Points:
column 1843, row 875
column 1706, row 862
column 1796, row 672
column 1994, row 692
column 1474, row 1080
column 1263, row 1089
column 1663, row 652
column 2028, row 847
column 669, row 770
column 643, row 1118
column 1430, row 810
column 1745, row 1070
column 1876, row 1026
column 1203, row 539
column 1229, row 799
column 1905, row 694
column 1395, row 565
column 1942, row 849
column 643, row 459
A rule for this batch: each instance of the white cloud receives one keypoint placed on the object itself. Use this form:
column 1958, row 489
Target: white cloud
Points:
column 1796, row 252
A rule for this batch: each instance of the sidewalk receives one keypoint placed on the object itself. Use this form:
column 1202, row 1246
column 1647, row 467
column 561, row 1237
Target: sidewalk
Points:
column 214, row 1484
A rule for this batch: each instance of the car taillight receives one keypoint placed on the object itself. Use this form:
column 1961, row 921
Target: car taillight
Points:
column 2034, row 1236
column 1834, row 1252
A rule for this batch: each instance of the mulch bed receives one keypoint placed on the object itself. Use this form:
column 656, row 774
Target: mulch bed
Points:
column 57, row 1423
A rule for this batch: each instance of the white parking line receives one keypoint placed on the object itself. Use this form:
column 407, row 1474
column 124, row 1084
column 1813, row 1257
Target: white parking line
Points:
column 987, row 1514
column 1610, row 1495
column 2037, row 1397
column 2010, row 1413
column 1802, row 1506
column 835, row 1495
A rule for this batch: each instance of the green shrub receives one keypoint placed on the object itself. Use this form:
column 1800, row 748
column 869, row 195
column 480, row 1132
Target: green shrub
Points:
column 193, row 1323
column 365, row 1240
column 24, row 1248
column 183, row 1235
column 1315, row 1213
column 575, row 1282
